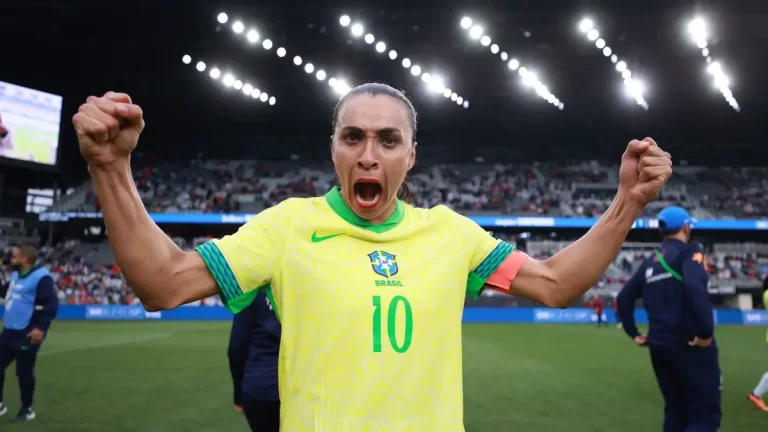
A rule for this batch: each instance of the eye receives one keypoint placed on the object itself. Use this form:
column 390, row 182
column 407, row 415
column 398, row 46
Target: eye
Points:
column 352, row 138
column 389, row 140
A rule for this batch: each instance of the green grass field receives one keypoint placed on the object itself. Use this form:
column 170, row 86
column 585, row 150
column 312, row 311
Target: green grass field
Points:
column 29, row 141
column 161, row 376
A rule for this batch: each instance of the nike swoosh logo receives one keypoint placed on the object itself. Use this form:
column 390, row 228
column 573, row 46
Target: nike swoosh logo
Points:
column 318, row 239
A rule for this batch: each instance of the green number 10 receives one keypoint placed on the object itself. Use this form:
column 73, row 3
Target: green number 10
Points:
column 391, row 328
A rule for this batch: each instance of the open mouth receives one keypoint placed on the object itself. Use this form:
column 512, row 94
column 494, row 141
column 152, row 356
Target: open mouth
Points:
column 367, row 193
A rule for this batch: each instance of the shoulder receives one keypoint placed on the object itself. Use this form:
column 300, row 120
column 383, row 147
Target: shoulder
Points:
column 283, row 212
column 439, row 214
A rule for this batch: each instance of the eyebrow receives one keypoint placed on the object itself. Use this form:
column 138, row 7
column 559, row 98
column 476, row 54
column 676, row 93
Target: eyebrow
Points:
column 381, row 132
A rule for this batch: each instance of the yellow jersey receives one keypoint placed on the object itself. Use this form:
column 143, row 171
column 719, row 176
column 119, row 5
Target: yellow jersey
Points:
column 371, row 314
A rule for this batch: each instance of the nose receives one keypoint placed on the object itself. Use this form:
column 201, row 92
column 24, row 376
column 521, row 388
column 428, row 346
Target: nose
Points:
column 368, row 158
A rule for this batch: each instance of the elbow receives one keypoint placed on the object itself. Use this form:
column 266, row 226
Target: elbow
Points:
column 554, row 293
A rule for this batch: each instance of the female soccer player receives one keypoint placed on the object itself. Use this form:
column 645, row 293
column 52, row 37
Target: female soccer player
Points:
column 369, row 290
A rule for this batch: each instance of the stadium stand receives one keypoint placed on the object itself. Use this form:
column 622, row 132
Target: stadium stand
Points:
column 577, row 190
column 87, row 275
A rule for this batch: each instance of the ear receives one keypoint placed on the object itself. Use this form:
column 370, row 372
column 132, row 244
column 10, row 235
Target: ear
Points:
column 412, row 156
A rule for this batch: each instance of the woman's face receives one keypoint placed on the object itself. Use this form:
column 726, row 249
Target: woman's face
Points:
column 372, row 151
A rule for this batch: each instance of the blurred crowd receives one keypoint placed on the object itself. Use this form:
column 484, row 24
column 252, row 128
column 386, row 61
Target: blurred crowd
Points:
column 84, row 281
column 578, row 190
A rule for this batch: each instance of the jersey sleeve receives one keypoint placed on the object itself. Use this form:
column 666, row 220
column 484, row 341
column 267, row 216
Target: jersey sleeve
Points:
column 486, row 253
column 695, row 279
column 246, row 261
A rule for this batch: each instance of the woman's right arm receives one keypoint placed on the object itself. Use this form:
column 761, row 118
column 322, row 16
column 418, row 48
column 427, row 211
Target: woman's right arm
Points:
column 162, row 275
column 159, row 272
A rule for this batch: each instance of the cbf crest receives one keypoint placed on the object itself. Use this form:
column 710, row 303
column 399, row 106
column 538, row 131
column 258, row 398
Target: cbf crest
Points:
column 383, row 263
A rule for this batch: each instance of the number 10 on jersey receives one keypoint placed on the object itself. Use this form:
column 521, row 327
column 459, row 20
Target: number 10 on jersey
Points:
column 391, row 324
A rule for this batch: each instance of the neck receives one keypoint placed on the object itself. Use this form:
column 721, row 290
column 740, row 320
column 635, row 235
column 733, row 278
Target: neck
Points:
column 25, row 268
column 679, row 236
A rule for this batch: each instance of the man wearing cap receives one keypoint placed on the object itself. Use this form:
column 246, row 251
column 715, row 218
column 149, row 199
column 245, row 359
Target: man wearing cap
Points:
column 673, row 285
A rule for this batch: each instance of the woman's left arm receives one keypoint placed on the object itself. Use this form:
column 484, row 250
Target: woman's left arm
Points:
column 567, row 275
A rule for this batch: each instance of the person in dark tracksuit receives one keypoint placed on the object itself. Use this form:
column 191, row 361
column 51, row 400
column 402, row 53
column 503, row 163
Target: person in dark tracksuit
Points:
column 30, row 306
column 254, row 345
column 673, row 285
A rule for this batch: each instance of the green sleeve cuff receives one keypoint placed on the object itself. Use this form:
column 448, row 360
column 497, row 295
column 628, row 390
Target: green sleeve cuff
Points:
column 476, row 279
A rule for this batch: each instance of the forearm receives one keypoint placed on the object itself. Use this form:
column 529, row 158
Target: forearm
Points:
column 579, row 266
column 702, row 311
column 142, row 250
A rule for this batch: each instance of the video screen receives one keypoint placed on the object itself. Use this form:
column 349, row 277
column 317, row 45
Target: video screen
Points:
column 30, row 121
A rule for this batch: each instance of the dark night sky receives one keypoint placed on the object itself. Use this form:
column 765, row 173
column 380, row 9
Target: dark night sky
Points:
column 80, row 48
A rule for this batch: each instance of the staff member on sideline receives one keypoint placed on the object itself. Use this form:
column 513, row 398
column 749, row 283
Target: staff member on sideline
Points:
column 30, row 306
column 254, row 345
column 673, row 286
column 756, row 397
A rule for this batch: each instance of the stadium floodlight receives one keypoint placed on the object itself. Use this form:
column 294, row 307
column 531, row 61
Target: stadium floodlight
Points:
column 229, row 79
column 697, row 28
column 475, row 32
column 222, row 18
column 321, row 75
column 186, row 59
column 586, row 25
column 634, row 90
column 433, row 81
column 357, row 30
column 344, row 20
column 466, row 104
column 253, row 36
column 272, row 100
column 466, row 23
column 447, row 93
column 600, row 43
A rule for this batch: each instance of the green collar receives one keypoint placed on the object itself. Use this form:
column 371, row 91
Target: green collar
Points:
column 336, row 202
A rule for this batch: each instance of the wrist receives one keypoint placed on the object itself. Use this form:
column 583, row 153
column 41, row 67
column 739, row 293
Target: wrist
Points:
column 115, row 168
column 626, row 206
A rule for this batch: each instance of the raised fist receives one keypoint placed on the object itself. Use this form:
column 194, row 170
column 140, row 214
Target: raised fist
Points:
column 108, row 128
column 645, row 169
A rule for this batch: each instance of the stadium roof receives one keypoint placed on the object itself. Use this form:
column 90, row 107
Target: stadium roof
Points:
column 90, row 47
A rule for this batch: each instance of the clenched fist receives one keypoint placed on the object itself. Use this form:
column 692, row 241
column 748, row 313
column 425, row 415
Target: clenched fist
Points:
column 108, row 128
column 645, row 169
